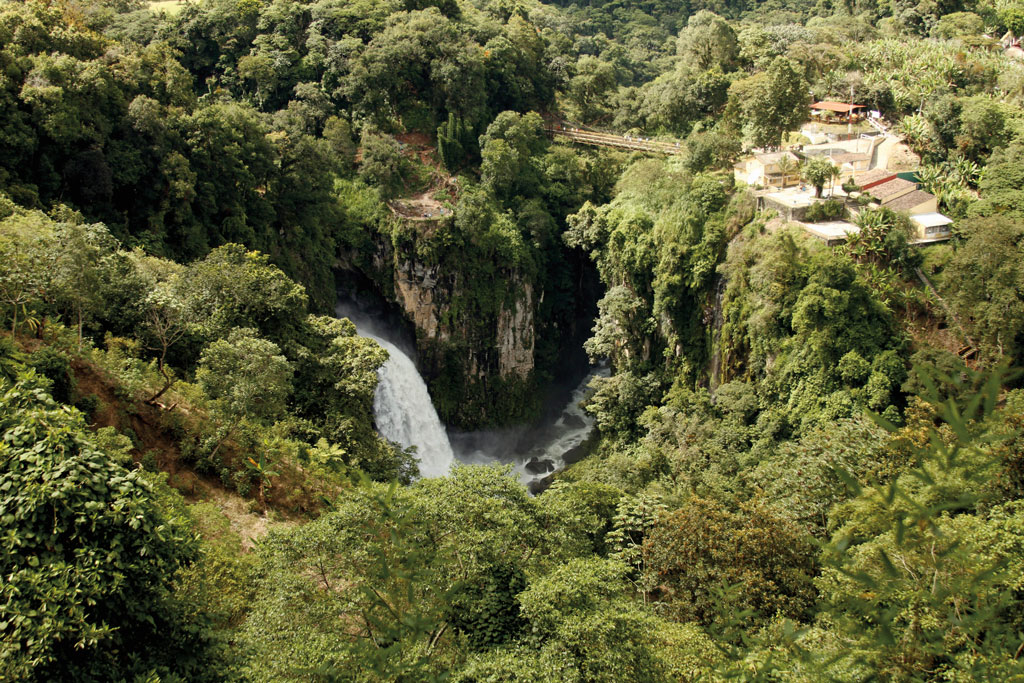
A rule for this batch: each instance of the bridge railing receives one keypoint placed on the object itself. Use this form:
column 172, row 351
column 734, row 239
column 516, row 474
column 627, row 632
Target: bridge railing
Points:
column 878, row 125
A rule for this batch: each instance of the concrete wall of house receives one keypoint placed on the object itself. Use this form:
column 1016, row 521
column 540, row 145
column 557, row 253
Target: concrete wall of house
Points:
column 929, row 206
column 924, row 233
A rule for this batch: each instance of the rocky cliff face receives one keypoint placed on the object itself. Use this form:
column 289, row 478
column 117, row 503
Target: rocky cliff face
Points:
column 476, row 353
column 429, row 297
column 415, row 286
column 515, row 335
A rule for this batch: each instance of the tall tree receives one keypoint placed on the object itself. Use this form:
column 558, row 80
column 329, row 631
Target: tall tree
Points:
column 817, row 172
column 771, row 104
column 78, row 268
column 709, row 41
column 509, row 148
column 696, row 556
column 21, row 280
column 166, row 322
column 247, row 378
column 989, row 279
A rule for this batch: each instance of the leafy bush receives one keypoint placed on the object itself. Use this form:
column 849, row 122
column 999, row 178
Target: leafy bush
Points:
column 828, row 210
column 89, row 404
column 485, row 608
column 56, row 367
column 755, row 559
column 383, row 164
column 149, row 461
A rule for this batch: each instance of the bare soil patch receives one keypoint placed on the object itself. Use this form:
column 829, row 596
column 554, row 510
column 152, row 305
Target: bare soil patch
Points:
column 419, row 203
column 291, row 494
column 422, row 206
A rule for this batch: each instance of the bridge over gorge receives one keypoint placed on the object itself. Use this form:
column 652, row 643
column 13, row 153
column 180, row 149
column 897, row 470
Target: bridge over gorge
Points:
column 590, row 137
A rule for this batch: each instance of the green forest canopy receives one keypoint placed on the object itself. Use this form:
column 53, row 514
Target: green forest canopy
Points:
column 808, row 463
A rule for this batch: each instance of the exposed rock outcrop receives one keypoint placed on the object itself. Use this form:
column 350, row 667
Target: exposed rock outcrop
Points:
column 414, row 291
column 515, row 336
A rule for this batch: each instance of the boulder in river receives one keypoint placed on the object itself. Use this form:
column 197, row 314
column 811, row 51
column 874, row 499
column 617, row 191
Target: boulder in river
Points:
column 537, row 466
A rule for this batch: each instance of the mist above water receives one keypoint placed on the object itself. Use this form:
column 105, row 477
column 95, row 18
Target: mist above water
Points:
column 537, row 450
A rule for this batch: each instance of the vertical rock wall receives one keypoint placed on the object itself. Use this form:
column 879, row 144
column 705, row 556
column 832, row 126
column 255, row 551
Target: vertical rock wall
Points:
column 515, row 335
column 478, row 358
column 426, row 295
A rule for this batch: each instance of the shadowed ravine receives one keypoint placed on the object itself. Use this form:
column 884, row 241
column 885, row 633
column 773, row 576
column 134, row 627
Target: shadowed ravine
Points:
column 536, row 450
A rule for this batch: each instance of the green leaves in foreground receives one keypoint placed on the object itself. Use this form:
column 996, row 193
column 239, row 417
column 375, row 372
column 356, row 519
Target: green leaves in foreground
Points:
column 922, row 580
column 928, row 593
column 86, row 555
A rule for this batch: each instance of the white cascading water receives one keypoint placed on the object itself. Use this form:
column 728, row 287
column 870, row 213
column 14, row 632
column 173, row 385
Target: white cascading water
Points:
column 406, row 415
column 402, row 407
column 567, row 432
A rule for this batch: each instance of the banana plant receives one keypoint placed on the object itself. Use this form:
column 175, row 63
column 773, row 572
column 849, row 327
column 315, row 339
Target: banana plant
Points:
column 263, row 473
column 964, row 170
column 931, row 177
column 917, row 131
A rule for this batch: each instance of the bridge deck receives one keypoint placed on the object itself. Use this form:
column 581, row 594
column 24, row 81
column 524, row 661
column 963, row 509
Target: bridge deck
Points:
column 587, row 137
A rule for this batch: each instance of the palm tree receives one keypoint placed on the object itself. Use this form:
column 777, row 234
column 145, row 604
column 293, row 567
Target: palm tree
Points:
column 836, row 175
column 787, row 166
column 856, row 245
column 916, row 130
column 817, row 172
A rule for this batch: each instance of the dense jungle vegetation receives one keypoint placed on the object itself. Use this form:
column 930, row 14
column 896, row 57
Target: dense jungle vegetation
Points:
column 808, row 462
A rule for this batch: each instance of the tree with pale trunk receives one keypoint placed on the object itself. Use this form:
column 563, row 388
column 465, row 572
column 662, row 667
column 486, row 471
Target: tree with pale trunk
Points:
column 77, row 269
column 20, row 282
column 166, row 322
column 817, row 172
column 787, row 166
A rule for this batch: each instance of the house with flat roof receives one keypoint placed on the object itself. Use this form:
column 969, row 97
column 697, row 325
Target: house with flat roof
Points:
column 791, row 204
column 838, row 111
column 928, row 227
column 832, row 233
column 852, row 161
column 764, row 170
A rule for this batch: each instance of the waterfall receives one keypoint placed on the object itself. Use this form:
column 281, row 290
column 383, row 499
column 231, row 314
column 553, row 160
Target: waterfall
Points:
column 402, row 407
column 405, row 414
